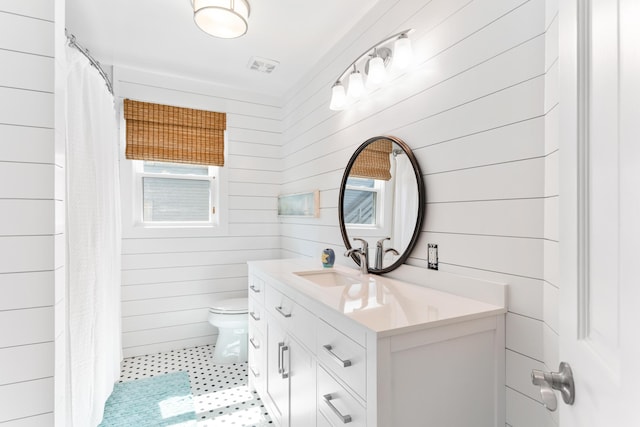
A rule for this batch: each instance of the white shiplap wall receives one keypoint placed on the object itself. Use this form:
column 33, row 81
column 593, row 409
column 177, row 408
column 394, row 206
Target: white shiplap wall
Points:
column 31, row 212
column 474, row 111
column 169, row 282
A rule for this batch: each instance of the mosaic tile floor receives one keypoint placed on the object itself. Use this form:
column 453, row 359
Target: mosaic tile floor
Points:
column 220, row 393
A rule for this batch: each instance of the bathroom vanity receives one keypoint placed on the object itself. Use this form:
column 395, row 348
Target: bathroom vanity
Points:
column 329, row 347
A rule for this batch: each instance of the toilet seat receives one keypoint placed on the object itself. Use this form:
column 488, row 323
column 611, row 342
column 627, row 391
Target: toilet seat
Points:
column 230, row 306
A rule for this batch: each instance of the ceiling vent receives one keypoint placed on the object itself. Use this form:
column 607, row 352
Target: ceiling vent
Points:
column 263, row 65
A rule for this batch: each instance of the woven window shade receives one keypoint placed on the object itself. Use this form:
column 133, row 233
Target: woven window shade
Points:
column 373, row 162
column 173, row 134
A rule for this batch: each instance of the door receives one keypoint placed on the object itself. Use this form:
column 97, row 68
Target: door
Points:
column 277, row 378
column 302, row 377
column 600, row 210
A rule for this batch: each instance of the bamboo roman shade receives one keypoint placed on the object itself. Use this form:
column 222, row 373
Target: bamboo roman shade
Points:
column 172, row 134
column 374, row 162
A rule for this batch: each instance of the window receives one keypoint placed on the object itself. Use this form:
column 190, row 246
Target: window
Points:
column 362, row 199
column 174, row 194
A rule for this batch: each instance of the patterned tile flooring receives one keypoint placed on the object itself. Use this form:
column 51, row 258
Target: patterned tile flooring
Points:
column 220, row 392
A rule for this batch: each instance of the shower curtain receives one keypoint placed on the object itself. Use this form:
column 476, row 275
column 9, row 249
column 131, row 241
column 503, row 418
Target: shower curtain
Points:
column 93, row 243
column 405, row 203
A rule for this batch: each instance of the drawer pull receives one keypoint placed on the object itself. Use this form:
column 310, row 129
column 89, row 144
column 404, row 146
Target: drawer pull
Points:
column 281, row 311
column 254, row 315
column 344, row 418
column 254, row 289
column 343, row 363
column 285, row 374
column 255, row 374
column 254, row 344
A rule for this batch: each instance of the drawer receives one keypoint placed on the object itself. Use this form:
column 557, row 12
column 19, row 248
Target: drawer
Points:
column 257, row 365
column 257, row 315
column 295, row 319
column 337, row 405
column 342, row 356
column 256, row 288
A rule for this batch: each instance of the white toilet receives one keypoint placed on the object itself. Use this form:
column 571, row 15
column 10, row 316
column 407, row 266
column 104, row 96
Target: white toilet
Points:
column 230, row 317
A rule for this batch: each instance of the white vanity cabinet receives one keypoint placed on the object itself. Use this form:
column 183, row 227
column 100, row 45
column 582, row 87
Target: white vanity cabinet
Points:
column 375, row 352
column 291, row 366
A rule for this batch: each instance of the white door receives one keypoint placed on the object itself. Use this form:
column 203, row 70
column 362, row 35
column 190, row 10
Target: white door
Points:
column 600, row 210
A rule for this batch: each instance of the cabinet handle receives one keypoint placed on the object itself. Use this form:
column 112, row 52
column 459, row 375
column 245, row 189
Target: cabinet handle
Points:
column 255, row 317
column 254, row 344
column 285, row 374
column 280, row 345
column 255, row 374
column 344, row 363
column 281, row 311
column 344, row 418
column 254, row 289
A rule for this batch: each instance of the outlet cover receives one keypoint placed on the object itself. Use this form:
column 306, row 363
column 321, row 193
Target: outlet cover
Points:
column 432, row 256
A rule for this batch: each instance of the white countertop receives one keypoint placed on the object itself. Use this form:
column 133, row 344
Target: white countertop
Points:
column 385, row 306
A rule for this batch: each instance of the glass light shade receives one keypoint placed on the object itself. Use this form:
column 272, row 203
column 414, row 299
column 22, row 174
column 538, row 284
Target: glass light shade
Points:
column 402, row 52
column 377, row 72
column 356, row 85
column 338, row 97
column 226, row 19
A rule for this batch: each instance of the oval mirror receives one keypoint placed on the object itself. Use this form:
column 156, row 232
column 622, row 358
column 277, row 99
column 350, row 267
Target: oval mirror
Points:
column 382, row 202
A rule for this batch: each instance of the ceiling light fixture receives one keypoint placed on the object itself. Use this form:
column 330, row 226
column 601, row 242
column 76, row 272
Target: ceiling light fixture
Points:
column 373, row 62
column 226, row 19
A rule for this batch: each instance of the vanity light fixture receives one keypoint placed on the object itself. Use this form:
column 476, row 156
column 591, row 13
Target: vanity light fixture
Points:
column 373, row 62
column 356, row 84
column 226, row 19
column 338, row 97
column 402, row 52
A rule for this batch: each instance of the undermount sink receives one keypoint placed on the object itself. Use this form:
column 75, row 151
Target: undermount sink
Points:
column 328, row 278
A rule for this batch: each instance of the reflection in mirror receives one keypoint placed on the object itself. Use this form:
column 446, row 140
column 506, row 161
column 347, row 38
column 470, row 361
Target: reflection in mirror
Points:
column 381, row 201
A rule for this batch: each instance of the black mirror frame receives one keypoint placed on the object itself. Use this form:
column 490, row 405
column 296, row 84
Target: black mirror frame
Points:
column 421, row 202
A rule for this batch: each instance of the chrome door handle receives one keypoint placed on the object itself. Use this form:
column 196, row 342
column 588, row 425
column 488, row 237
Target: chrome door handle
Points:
column 285, row 374
column 254, row 344
column 280, row 310
column 549, row 381
column 344, row 418
column 254, row 289
column 255, row 317
column 344, row 363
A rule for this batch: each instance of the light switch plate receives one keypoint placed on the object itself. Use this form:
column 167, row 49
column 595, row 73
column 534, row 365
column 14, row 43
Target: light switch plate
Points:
column 432, row 256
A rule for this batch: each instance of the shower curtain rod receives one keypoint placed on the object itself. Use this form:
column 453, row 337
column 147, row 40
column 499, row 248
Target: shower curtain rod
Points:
column 72, row 42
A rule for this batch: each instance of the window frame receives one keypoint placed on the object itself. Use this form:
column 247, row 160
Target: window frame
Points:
column 140, row 174
column 383, row 209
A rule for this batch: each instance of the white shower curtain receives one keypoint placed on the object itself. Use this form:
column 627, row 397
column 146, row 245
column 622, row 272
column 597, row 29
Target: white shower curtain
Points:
column 93, row 243
column 405, row 203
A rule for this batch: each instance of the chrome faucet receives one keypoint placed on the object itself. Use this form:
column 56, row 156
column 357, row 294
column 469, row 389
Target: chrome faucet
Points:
column 380, row 252
column 362, row 253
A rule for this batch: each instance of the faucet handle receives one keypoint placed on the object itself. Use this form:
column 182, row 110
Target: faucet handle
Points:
column 380, row 242
column 365, row 244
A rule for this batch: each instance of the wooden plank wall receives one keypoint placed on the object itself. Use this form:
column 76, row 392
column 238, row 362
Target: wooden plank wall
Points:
column 474, row 110
column 170, row 280
column 31, row 203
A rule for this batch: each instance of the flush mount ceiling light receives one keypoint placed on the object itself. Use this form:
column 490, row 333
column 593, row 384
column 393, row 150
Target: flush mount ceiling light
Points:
column 226, row 19
column 373, row 62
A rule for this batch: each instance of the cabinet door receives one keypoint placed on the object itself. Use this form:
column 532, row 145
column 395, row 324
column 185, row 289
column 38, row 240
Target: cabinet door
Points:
column 302, row 377
column 277, row 380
